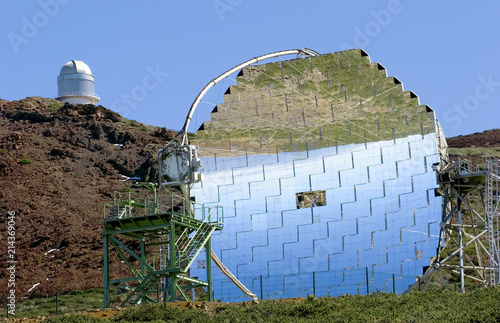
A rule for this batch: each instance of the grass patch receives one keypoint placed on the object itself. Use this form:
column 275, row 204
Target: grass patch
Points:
column 474, row 151
column 49, row 104
column 69, row 302
column 73, row 318
column 53, row 105
column 480, row 305
column 24, row 161
column 133, row 123
column 433, row 306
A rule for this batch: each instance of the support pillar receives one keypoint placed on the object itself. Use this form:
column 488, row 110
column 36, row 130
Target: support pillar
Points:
column 143, row 256
column 208, row 251
column 171, row 244
column 173, row 289
column 106, row 270
column 461, row 247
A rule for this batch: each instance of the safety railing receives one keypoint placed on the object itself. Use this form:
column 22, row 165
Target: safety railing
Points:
column 143, row 203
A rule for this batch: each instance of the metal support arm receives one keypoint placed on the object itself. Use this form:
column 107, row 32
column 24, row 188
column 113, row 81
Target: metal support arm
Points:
column 299, row 52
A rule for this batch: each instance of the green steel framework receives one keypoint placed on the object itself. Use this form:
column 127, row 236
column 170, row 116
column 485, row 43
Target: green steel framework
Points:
column 173, row 229
column 468, row 253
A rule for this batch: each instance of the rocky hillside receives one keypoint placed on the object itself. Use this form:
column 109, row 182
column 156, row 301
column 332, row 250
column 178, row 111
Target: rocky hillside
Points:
column 485, row 139
column 59, row 163
column 474, row 146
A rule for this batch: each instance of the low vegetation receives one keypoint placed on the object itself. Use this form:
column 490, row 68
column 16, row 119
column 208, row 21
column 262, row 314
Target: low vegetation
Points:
column 474, row 151
column 480, row 305
column 50, row 104
column 69, row 302
column 24, row 161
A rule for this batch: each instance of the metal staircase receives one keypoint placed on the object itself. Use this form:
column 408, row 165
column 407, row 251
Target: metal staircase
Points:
column 189, row 248
column 179, row 236
column 119, row 211
column 140, row 293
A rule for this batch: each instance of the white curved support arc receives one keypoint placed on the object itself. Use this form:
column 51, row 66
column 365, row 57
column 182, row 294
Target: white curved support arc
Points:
column 254, row 60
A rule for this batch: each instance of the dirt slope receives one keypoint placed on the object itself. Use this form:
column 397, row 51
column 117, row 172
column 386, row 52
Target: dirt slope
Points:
column 488, row 138
column 474, row 147
column 58, row 164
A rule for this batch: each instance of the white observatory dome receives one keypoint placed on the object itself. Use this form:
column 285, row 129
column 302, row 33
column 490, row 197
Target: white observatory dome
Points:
column 75, row 84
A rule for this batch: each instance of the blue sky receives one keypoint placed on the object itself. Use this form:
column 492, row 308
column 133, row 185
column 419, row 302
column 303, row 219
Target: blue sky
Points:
column 447, row 52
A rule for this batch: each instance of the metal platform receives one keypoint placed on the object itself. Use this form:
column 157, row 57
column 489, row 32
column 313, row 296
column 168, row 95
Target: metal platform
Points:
column 169, row 237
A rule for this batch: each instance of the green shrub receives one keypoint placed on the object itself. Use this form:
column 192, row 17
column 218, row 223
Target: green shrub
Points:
column 480, row 305
column 73, row 318
column 441, row 305
column 165, row 311
column 24, row 161
column 134, row 123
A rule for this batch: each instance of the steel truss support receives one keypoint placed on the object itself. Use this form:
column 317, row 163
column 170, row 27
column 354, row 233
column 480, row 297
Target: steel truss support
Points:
column 468, row 252
column 157, row 249
column 493, row 218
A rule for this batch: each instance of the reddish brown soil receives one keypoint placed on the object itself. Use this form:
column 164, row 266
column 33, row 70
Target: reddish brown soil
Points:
column 58, row 198
column 488, row 138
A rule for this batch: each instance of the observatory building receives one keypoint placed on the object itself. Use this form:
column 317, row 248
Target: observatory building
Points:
column 326, row 170
column 75, row 84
